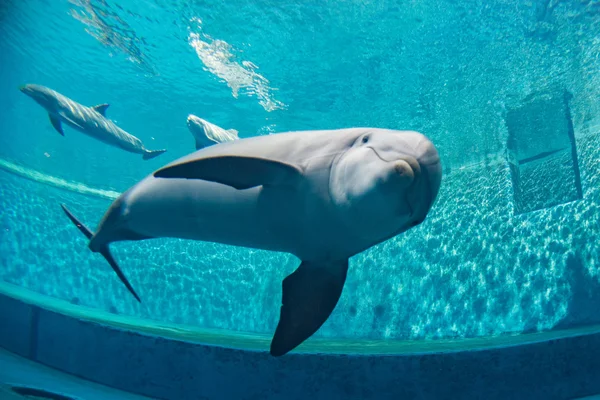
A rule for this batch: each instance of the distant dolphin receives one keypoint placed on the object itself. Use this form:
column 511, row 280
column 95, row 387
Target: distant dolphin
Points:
column 207, row 134
column 322, row 196
column 90, row 120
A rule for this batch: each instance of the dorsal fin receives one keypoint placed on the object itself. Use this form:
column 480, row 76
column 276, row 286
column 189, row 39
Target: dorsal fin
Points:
column 101, row 108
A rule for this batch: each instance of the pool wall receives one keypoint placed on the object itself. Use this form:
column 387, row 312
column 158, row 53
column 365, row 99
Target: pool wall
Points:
column 168, row 368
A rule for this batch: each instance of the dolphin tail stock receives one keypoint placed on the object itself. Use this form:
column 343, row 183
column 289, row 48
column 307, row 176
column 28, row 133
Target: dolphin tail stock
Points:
column 150, row 154
column 104, row 250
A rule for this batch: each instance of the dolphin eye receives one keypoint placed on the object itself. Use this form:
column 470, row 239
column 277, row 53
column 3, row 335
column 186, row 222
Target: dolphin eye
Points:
column 415, row 223
column 365, row 139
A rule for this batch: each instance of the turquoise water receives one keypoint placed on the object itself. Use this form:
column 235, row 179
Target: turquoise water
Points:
column 500, row 252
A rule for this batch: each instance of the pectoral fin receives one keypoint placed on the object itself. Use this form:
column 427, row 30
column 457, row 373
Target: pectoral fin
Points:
column 309, row 296
column 236, row 171
column 56, row 124
column 101, row 109
column 69, row 120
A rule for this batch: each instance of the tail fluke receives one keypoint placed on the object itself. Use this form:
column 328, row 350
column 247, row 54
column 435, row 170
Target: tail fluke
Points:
column 84, row 229
column 104, row 251
column 150, row 154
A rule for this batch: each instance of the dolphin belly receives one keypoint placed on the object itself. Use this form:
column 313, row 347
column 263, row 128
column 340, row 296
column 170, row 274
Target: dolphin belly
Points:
column 207, row 211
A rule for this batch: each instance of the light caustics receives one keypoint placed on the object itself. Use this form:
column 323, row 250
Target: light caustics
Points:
column 219, row 59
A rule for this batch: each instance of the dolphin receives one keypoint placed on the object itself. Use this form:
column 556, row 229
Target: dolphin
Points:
column 207, row 134
column 90, row 120
column 322, row 196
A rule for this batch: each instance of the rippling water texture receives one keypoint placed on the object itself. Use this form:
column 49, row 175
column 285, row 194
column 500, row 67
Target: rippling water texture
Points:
column 449, row 69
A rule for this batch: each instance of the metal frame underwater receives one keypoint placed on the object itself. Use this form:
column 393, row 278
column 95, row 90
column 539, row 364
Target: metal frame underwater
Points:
column 182, row 362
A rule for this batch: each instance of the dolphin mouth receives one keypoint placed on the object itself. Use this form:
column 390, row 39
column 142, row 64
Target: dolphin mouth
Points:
column 427, row 170
column 410, row 160
column 411, row 201
column 378, row 155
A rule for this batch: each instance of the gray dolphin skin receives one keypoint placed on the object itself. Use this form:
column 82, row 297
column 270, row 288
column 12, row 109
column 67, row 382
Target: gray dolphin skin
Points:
column 322, row 196
column 90, row 120
column 206, row 134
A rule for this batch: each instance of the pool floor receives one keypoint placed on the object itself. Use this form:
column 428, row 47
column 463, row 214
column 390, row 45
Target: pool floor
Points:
column 16, row 371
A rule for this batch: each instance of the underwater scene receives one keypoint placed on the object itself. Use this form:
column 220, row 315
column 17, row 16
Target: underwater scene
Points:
column 265, row 199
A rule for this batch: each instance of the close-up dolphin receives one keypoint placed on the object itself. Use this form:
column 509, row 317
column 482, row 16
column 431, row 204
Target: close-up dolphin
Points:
column 322, row 196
